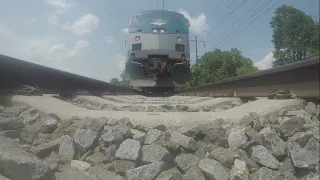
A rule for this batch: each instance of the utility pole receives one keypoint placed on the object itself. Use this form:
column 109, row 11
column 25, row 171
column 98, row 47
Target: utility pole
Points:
column 162, row 4
column 158, row 4
column 197, row 59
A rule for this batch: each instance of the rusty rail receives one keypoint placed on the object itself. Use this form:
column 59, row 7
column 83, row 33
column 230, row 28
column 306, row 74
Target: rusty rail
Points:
column 15, row 72
column 299, row 79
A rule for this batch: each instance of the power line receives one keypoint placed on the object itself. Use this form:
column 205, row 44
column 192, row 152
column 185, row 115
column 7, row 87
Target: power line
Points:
column 241, row 21
column 243, row 15
column 127, row 7
column 91, row 1
column 263, row 6
column 217, row 6
column 227, row 15
column 250, row 23
column 162, row 4
column 112, row 17
column 241, row 18
column 214, row 12
column 231, row 3
column 222, row 20
column 158, row 4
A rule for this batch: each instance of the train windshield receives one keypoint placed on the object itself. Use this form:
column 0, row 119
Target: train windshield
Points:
column 171, row 21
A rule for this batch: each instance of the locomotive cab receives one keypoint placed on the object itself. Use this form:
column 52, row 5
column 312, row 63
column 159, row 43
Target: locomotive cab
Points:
column 158, row 49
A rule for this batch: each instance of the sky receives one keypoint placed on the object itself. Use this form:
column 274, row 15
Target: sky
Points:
column 87, row 37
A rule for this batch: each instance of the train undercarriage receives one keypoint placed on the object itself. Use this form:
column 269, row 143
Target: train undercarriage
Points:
column 157, row 75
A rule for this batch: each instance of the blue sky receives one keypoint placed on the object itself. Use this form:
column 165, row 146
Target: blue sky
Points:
column 87, row 36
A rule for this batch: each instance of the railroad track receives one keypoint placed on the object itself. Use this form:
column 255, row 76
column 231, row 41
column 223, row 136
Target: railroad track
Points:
column 299, row 79
column 206, row 132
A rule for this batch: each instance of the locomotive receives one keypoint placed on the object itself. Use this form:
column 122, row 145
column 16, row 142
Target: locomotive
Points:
column 158, row 52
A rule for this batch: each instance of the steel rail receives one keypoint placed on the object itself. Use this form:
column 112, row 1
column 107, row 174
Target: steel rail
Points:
column 301, row 78
column 15, row 72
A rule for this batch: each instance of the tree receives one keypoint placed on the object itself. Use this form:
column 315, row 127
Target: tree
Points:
column 313, row 50
column 193, row 76
column 246, row 70
column 293, row 31
column 114, row 81
column 217, row 65
column 125, row 83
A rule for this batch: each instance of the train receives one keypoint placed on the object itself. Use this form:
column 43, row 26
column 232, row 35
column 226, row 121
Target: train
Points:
column 158, row 51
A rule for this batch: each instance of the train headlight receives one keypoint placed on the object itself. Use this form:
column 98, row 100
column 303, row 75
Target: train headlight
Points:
column 162, row 30
column 179, row 38
column 137, row 38
column 155, row 30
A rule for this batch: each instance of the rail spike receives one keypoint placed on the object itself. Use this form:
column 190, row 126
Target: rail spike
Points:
column 230, row 94
column 281, row 94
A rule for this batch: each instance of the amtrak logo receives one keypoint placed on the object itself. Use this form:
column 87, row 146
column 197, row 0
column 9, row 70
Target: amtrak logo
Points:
column 158, row 22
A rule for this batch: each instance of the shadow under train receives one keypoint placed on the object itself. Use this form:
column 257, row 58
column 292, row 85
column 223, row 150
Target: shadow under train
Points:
column 142, row 76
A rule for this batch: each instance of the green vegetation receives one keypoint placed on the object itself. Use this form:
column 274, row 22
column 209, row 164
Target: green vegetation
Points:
column 124, row 82
column 314, row 49
column 295, row 35
column 217, row 65
column 115, row 81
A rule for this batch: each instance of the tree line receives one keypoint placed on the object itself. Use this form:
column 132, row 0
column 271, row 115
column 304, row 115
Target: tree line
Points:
column 295, row 35
column 295, row 38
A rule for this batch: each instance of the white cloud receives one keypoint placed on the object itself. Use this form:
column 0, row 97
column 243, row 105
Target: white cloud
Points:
column 45, row 49
column 26, row 48
column 109, row 39
column 59, row 3
column 58, row 51
column 84, row 25
column 32, row 20
column 32, row 41
column 80, row 48
column 198, row 25
column 53, row 19
column 61, row 52
column 61, row 11
column 121, row 61
column 55, row 52
column 125, row 30
column 266, row 62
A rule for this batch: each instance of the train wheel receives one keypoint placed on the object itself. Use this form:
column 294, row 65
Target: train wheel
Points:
column 145, row 90
column 183, row 59
column 172, row 89
column 132, row 57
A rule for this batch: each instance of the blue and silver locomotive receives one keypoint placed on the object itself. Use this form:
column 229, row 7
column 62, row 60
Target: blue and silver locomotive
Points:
column 158, row 52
